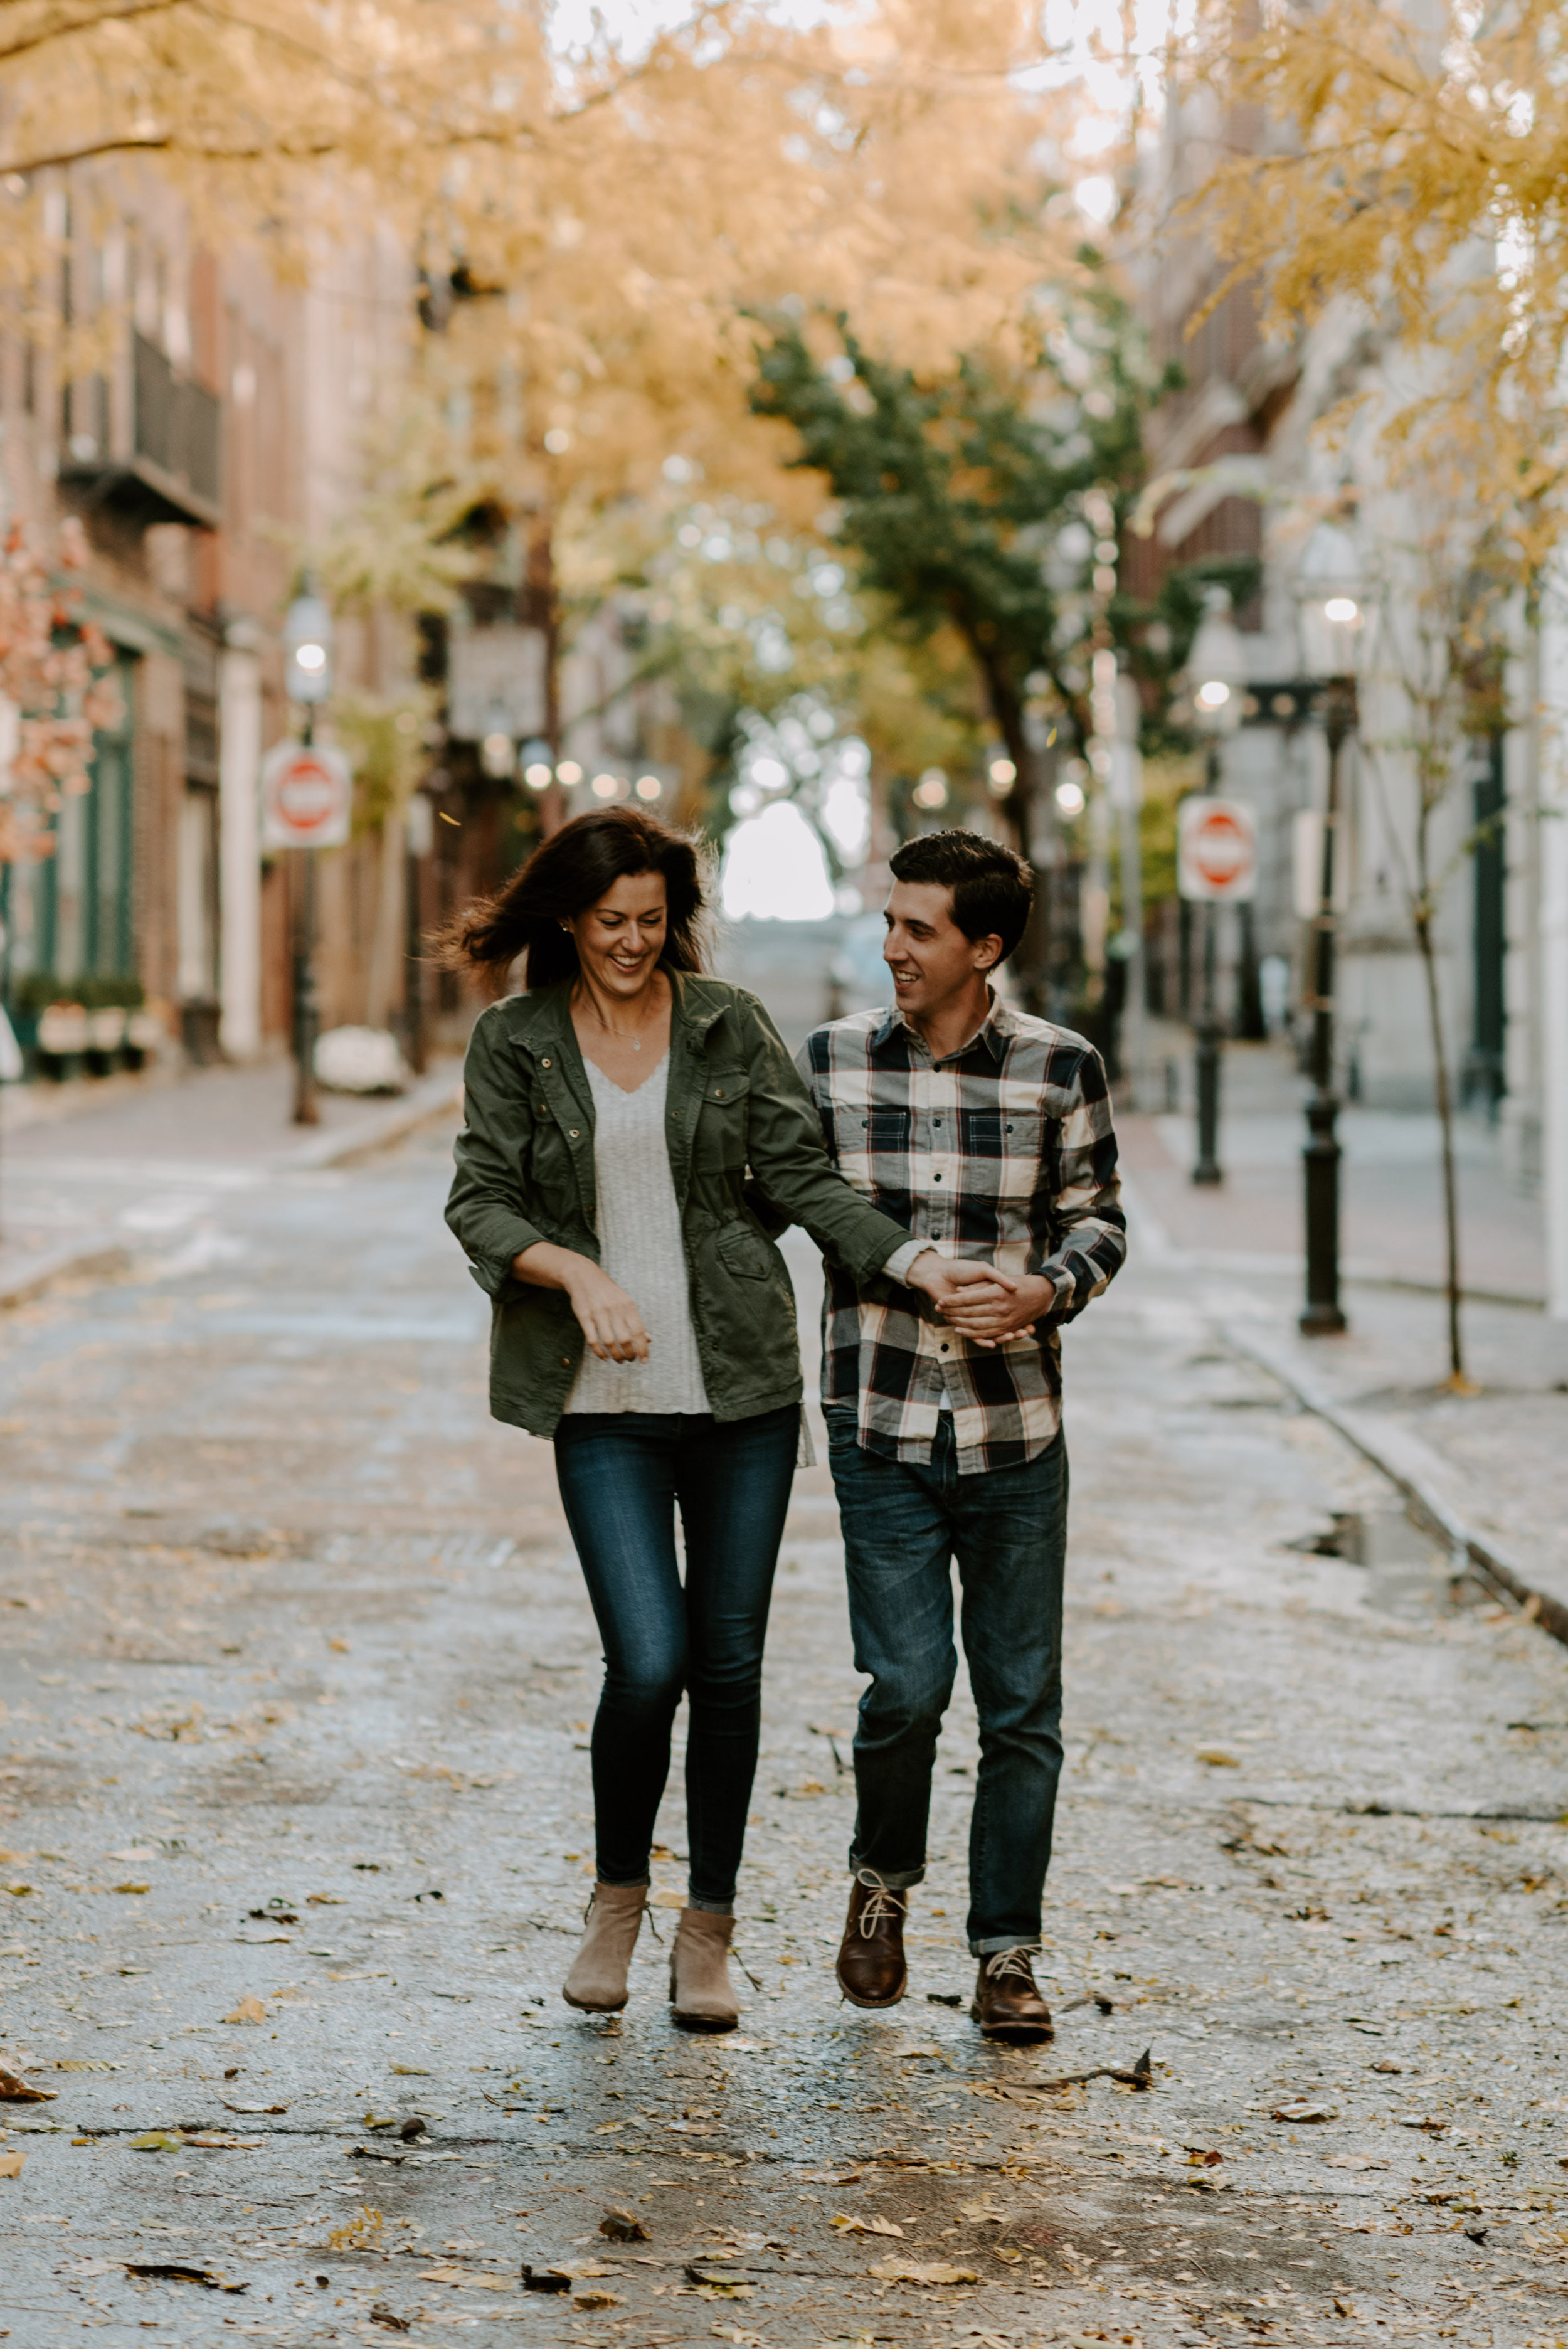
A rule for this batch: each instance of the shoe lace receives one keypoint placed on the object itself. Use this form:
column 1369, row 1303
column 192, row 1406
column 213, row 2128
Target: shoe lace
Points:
column 1010, row 1961
column 885, row 1907
column 646, row 1916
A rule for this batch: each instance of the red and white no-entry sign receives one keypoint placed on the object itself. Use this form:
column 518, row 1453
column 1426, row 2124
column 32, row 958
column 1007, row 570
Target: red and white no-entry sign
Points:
column 1217, row 850
column 308, row 797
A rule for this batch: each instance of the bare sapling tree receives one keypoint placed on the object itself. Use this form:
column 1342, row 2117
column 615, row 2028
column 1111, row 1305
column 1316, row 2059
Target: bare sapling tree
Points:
column 1437, row 666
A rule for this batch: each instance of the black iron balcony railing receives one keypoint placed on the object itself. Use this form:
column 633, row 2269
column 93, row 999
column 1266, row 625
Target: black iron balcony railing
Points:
column 169, row 466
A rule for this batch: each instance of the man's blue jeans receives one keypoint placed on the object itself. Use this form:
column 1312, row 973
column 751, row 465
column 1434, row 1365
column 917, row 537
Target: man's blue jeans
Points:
column 623, row 1476
column 904, row 1525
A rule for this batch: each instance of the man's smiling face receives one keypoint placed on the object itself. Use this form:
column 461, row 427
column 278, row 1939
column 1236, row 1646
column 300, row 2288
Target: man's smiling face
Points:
column 930, row 958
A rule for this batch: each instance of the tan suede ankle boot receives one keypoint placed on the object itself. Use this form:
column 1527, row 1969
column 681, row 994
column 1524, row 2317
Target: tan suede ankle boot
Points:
column 597, row 1980
column 700, row 1972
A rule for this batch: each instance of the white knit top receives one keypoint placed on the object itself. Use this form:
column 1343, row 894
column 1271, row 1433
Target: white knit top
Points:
column 641, row 1248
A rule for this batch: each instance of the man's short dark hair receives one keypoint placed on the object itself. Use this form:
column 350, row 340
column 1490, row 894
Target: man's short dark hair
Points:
column 992, row 886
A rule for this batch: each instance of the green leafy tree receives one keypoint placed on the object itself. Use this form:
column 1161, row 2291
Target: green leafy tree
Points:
column 985, row 499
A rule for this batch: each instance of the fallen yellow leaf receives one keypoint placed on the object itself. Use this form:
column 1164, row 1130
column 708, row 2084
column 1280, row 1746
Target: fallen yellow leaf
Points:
column 250, row 2009
column 15, row 2090
column 467, row 2277
column 13, row 2162
column 132, row 1887
column 1217, row 1758
column 923, row 2271
column 849, row 2226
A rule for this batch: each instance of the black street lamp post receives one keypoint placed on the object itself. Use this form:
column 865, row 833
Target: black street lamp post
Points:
column 1206, row 1055
column 1217, row 666
column 1322, row 1316
column 307, row 646
column 1331, row 619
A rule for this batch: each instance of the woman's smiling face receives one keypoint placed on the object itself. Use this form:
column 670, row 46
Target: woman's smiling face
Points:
column 619, row 938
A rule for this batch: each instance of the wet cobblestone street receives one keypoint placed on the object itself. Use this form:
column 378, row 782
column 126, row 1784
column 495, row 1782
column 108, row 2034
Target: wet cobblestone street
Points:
column 295, row 1835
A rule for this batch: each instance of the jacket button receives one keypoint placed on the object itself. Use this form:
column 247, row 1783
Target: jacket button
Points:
column 545, row 1064
column 718, row 1092
column 566, row 1362
column 572, row 1130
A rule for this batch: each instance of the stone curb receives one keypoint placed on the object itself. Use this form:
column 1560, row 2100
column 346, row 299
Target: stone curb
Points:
column 93, row 1254
column 1390, row 1449
column 429, row 1098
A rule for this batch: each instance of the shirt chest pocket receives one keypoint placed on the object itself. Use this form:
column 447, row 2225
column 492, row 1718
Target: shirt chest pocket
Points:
column 1000, row 1152
column 722, row 1122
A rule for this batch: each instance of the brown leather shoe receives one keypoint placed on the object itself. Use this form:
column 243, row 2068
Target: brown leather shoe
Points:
column 1007, row 2003
column 871, row 1969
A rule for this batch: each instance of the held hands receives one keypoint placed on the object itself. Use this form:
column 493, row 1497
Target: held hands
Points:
column 981, row 1303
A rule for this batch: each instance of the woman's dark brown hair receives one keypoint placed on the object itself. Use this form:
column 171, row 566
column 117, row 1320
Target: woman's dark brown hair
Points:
column 570, row 872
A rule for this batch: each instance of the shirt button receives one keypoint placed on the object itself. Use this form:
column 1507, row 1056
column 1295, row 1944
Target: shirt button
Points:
column 943, row 1349
column 936, row 1178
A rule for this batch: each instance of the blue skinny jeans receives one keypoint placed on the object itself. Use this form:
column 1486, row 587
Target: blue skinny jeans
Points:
column 623, row 1476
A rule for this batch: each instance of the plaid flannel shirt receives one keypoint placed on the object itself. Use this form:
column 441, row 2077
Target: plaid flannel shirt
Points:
column 1004, row 1151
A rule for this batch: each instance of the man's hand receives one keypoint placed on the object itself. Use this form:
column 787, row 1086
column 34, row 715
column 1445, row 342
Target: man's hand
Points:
column 997, row 1306
column 944, row 1278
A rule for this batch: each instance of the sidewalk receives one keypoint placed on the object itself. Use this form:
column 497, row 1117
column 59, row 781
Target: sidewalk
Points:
column 1491, row 1460
column 85, row 1181
column 1391, row 1223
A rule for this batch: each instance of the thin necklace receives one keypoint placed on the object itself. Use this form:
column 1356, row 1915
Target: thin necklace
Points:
column 635, row 1041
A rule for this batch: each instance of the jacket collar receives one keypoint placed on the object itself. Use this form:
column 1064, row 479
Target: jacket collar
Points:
column 544, row 1018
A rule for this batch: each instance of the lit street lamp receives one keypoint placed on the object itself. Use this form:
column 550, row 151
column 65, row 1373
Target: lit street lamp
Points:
column 307, row 652
column 1217, row 670
column 1329, row 591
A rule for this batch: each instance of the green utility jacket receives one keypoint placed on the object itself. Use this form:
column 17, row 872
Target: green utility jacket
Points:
column 736, row 1110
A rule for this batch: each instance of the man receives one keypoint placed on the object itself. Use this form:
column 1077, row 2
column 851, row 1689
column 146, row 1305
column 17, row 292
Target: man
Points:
column 986, row 1133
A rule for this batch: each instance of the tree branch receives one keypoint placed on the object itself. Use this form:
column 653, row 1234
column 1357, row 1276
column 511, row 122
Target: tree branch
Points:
column 84, row 23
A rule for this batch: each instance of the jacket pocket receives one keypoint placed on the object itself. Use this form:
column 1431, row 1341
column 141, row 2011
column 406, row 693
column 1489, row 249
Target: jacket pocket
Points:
column 721, row 1126
column 743, row 1252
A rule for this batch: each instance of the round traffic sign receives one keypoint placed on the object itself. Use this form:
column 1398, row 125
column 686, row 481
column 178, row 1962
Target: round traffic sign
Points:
column 1218, row 848
column 307, row 796
column 306, row 793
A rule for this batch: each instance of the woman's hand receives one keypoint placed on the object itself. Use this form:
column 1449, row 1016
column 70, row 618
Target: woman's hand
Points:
column 611, row 1321
column 609, row 1318
column 991, row 1311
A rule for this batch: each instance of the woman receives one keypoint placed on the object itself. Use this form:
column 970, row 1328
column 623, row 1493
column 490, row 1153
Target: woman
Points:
column 643, row 1319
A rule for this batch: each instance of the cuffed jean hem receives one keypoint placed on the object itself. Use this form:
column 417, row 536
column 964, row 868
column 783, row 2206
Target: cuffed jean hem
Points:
column 999, row 1942
column 892, row 1879
column 711, row 1907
